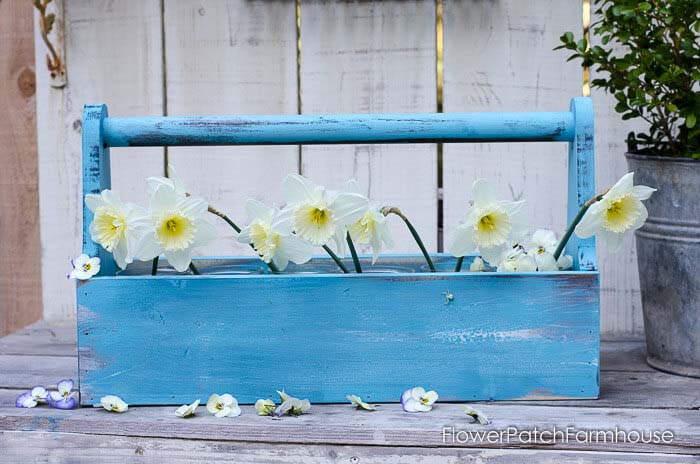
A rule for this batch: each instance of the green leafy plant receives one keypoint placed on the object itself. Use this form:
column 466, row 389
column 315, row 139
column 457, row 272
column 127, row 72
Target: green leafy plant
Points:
column 649, row 59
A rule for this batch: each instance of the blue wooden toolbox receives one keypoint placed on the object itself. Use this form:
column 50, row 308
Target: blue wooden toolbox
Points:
column 172, row 338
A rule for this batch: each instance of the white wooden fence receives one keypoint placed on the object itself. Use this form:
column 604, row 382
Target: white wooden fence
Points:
column 178, row 57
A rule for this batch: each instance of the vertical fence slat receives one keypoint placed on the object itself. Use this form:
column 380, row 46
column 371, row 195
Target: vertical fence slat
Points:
column 372, row 57
column 232, row 57
column 113, row 56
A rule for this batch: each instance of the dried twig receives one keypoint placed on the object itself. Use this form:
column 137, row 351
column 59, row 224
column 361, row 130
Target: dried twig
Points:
column 46, row 23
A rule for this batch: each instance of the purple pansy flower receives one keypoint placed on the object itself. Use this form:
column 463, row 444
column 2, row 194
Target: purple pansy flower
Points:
column 62, row 399
column 31, row 398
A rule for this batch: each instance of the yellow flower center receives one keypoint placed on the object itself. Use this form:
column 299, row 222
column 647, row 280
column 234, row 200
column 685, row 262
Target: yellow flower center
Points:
column 265, row 241
column 314, row 222
column 487, row 223
column 540, row 250
column 362, row 230
column 621, row 213
column 175, row 231
column 110, row 226
column 86, row 266
column 492, row 227
column 424, row 400
column 318, row 216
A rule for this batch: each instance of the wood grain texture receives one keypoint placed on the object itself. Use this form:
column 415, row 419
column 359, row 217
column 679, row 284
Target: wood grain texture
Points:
column 113, row 55
column 389, row 426
column 374, row 57
column 20, row 251
column 72, row 448
column 345, row 128
column 232, row 57
column 340, row 333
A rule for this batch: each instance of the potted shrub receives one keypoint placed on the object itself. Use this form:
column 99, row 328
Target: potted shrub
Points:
column 649, row 60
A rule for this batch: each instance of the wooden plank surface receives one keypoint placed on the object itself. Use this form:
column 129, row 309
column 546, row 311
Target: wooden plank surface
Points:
column 87, row 449
column 374, row 57
column 389, row 426
column 20, row 250
column 113, row 54
column 232, row 57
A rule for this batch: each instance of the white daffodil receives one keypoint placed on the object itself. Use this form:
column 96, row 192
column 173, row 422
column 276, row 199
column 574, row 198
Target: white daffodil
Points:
column 619, row 210
column 174, row 226
column 516, row 260
column 113, row 224
column 491, row 226
column 477, row 265
column 84, row 267
column 477, row 415
column 223, row 405
column 173, row 182
column 416, row 399
column 265, row 407
column 187, row 410
column 291, row 405
column 372, row 228
column 319, row 215
column 271, row 233
column 357, row 402
column 112, row 403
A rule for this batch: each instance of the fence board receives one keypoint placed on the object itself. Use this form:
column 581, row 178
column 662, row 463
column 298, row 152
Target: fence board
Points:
column 372, row 57
column 232, row 57
column 113, row 52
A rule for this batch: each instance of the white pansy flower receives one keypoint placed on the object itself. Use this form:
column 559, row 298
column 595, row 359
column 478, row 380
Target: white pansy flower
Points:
column 31, row 398
column 223, row 405
column 270, row 233
column 319, row 215
column 618, row 211
column 416, row 399
column 175, row 226
column 372, row 228
column 84, row 267
column 543, row 245
column 357, row 402
column 187, row 410
column 112, row 403
column 264, row 407
column 113, row 224
column 477, row 415
column 291, row 405
column 491, row 226
column 477, row 265
column 516, row 260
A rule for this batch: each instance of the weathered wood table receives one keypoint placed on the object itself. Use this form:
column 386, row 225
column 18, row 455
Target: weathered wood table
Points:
column 634, row 397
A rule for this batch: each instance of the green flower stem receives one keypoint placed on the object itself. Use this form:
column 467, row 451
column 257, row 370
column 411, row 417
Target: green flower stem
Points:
column 393, row 210
column 458, row 267
column 154, row 268
column 194, row 269
column 233, row 225
column 574, row 223
column 336, row 259
column 353, row 252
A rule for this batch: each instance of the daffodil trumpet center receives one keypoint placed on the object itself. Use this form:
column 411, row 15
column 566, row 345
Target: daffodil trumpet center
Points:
column 110, row 225
column 235, row 227
column 175, row 231
column 493, row 227
column 620, row 214
column 393, row 210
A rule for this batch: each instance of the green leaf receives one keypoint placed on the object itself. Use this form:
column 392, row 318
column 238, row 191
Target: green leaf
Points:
column 50, row 19
column 644, row 6
column 569, row 36
column 690, row 121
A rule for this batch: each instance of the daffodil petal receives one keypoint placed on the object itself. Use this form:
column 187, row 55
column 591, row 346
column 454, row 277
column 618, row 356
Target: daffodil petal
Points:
column 483, row 192
column 296, row 189
column 179, row 259
column 349, row 207
column 642, row 192
column 462, row 243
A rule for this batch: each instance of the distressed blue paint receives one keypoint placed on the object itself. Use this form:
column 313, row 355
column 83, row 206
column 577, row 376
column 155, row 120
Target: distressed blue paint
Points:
column 170, row 339
column 339, row 128
column 581, row 180
column 96, row 177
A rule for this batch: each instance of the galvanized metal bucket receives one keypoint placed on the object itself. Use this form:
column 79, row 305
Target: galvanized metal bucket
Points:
column 668, row 252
